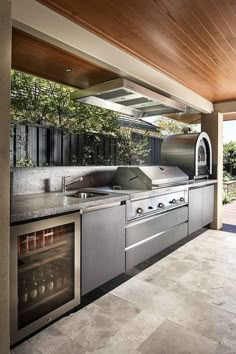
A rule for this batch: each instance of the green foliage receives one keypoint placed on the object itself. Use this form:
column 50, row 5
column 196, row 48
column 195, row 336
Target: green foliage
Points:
column 130, row 151
column 38, row 101
column 229, row 197
column 226, row 176
column 25, row 162
column 171, row 126
column 230, row 155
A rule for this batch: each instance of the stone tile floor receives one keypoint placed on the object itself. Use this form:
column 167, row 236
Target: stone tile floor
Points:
column 183, row 303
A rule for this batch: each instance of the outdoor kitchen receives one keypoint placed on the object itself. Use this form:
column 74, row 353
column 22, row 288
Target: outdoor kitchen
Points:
column 71, row 240
column 115, row 170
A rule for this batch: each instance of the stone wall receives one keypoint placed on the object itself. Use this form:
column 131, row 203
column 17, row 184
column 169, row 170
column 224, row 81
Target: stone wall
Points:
column 49, row 179
column 230, row 186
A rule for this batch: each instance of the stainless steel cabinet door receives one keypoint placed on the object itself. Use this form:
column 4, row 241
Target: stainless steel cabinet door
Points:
column 208, row 204
column 195, row 210
column 103, row 246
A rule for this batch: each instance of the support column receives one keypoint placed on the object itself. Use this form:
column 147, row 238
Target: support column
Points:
column 212, row 124
column 5, row 67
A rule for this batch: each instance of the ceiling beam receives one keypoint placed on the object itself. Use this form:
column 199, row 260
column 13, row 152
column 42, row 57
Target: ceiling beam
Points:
column 228, row 109
column 40, row 21
column 225, row 107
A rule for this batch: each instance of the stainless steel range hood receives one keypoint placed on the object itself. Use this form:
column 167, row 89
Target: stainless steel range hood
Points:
column 126, row 97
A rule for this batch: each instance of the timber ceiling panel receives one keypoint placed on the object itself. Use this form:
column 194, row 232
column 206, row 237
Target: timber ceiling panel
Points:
column 194, row 41
column 37, row 57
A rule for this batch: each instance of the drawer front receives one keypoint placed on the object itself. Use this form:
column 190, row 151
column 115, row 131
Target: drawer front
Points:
column 146, row 228
column 147, row 249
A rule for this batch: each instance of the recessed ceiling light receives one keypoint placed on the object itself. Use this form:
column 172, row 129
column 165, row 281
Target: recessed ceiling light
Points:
column 68, row 70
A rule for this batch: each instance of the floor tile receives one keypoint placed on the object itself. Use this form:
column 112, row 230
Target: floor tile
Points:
column 25, row 348
column 162, row 282
column 224, row 349
column 91, row 327
column 171, row 338
column 212, row 251
column 218, row 268
column 203, row 319
column 133, row 333
column 146, row 296
column 229, row 338
column 212, row 289
column 45, row 342
column 172, row 267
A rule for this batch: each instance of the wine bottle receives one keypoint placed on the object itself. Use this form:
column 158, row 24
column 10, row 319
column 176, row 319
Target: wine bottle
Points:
column 33, row 287
column 32, row 241
column 58, row 275
column 48, row 236
column 41, row 281
column 66, row 273
column 23, row 291
column 50, row 280
column 24, row 245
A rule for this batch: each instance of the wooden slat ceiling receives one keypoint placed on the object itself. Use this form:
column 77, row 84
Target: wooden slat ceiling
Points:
column 39, row 58
column 194, row 41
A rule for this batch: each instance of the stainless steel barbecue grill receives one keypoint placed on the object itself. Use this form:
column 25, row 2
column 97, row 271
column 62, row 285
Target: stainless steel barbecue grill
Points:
column 167, row 183
column 157, row 215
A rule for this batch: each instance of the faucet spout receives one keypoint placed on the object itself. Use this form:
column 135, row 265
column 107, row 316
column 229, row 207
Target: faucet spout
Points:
column 65, row 184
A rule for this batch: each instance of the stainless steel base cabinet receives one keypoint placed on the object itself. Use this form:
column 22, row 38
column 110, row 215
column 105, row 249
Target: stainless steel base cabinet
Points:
column 208, row 204
column 201, row 207
column 103, row 246
column 45, row 272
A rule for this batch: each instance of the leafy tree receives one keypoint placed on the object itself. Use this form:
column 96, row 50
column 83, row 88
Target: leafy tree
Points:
column 38, row 101
column 171, row 126
column 230, row 155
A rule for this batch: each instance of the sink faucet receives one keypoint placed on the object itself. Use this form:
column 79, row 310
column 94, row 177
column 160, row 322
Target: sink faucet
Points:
column 65, row 184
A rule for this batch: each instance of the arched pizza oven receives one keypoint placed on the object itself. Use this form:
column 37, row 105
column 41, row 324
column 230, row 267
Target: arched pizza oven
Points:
column 191, row 152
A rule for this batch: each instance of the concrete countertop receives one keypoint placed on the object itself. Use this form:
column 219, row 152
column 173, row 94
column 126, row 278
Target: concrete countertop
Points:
column 139, row 194
column 202, row 183
column 35, row 206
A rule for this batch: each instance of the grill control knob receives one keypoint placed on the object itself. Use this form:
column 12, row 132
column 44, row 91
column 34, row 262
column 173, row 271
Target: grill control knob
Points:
column 182, row 199
column 173, row 201
column 139, row 211
column 161, row 205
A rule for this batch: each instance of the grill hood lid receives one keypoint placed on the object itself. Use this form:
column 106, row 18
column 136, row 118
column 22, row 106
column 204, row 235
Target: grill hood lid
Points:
column 128, row 98
column 148, row 177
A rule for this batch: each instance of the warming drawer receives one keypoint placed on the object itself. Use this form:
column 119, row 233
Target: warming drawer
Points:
column 150, row 247
column 147, row 227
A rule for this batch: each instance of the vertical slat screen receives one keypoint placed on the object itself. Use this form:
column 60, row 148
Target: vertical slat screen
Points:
column 53, row 147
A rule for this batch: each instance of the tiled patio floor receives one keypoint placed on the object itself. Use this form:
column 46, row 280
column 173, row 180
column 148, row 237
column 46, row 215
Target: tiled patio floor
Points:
column 184, row 303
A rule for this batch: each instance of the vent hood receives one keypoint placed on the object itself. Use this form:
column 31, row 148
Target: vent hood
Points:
column 128, row 98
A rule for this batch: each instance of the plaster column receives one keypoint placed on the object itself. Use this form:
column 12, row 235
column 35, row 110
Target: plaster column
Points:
column 5, row 67
column 212, row 124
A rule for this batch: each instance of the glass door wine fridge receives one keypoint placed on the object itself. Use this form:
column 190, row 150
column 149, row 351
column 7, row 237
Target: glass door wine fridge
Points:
column 45, row 272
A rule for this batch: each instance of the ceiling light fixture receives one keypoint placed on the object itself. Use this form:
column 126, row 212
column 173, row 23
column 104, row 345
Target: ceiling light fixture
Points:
column 68, row 70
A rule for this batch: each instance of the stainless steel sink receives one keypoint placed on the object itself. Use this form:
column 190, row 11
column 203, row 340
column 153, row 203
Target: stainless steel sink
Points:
column 86, row 195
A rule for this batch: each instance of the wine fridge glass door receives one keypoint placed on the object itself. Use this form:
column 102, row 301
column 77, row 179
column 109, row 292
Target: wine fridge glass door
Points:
column 45, row 272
